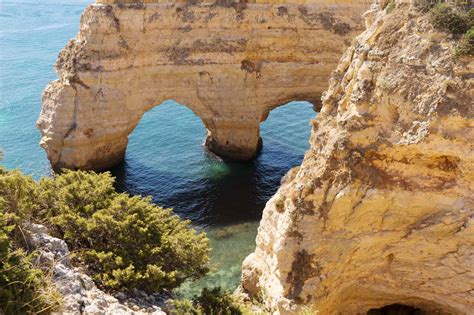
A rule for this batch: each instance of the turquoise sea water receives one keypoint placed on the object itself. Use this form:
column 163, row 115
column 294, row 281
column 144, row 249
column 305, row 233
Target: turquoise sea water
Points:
column 165, row 157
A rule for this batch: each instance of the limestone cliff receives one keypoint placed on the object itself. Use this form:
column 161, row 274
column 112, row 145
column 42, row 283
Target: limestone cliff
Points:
column 381, row 209
column 230, row 62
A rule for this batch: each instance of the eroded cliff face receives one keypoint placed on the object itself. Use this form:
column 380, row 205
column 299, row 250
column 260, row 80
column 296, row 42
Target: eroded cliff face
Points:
column 231, row 63
column 381, row 210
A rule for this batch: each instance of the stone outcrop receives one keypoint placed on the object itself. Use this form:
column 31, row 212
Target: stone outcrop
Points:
column 229, row 62
column 381, row 210
column 80, row 294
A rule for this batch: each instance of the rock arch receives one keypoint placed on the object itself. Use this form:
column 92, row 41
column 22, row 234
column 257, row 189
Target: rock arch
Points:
column 229, row 62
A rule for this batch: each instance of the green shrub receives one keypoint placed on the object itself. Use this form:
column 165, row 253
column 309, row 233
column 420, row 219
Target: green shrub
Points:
column 209, row 302
column 215, row 302
column 424, row 5
column 125, row 242
column 447, row 18
column 457, row 19
column 470, row 17
column 466, row 44
column 182, row 307
column 24, row 289
column 390, row 6
column 20, row 196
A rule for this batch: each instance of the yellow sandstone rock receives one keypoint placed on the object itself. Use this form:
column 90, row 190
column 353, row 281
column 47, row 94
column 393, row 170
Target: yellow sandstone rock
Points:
column 381, row 210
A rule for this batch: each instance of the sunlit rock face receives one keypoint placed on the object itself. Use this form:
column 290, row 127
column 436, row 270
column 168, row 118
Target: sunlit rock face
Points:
column 381, row 210
column 231, row 63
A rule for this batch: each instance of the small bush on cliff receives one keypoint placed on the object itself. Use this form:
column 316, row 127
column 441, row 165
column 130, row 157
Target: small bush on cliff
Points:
column 424, row 5
column 125, row 242
column 390, row 6
column 209, row 302
column 457, row 20
column 181, row 307
column 451, row 19
column 466, row 44
column 24, row 288
column 20, row 197
column 215, row 302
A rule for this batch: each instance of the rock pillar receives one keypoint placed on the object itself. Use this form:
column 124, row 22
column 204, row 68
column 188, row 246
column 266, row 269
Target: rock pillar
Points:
column 234, row 139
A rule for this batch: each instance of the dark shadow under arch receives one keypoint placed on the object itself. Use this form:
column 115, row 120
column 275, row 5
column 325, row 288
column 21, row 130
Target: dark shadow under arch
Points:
column 166, row 159
column 396, row 309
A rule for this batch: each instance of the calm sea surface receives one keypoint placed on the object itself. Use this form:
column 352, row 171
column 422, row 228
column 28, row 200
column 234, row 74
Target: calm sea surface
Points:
column 165, row 156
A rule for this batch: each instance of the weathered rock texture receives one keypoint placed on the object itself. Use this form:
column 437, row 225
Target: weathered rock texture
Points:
column 231, row 63
column 381, row 210
column 80, row 294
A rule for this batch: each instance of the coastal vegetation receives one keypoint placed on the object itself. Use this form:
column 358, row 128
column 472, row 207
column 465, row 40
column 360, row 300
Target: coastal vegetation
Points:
column 24, row 287
column 125, row 242
column 209, row 302
column 122, row 242
column 466, row 44
column 455, row 18
column 450, row 18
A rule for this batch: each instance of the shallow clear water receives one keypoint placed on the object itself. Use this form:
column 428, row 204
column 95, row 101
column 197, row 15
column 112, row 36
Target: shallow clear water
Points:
column 165, row 157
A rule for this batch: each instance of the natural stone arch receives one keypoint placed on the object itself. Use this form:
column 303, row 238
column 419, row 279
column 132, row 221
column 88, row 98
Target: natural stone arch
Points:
column 229, row 63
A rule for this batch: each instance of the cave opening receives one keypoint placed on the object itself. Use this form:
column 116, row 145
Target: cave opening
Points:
column 396, row 309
